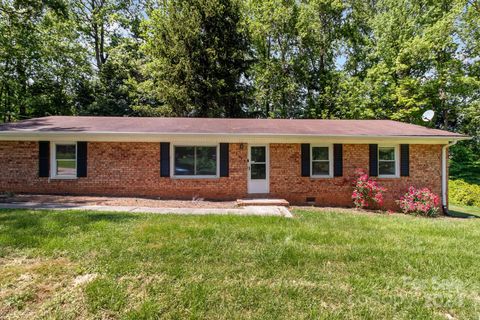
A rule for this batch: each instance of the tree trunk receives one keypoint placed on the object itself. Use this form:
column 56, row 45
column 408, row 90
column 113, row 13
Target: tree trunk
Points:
column 97, row 46
column 22, row 78
column 6, row 116
column 102, row 44
column 98, row 42
column 267, row 99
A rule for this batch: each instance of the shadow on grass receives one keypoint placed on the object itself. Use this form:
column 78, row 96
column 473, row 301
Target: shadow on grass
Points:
column 459, row 211
column 463, row 215
column 32, row 228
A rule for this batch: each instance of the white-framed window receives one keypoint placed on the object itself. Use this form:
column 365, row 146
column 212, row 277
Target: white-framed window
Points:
column 388, row 161
column 63, row 157
column 321, row 164
column 195, row 161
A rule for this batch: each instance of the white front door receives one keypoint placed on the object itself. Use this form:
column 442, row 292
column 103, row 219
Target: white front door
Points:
column 258, row 169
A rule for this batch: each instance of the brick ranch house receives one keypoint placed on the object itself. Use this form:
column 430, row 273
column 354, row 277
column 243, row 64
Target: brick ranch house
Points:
column 302, row 161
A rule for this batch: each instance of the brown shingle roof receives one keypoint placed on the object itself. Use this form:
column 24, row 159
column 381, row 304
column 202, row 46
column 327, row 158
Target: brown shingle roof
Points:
column 357, row 128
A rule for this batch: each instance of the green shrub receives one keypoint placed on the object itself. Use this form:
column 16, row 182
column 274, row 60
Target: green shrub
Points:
column 461, row 192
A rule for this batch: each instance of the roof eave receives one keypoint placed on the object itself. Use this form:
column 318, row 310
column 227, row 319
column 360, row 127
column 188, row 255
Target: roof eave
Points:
column 216, row 137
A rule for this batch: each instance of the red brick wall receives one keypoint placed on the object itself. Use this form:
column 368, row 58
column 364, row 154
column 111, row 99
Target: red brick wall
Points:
column 133, row 169
column 123, row 169
column 286, row 181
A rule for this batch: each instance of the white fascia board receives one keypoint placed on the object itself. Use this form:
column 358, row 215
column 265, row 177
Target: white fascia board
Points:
column 217, row 137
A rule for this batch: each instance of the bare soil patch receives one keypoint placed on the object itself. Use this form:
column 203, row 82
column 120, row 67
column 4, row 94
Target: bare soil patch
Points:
column 29, row 285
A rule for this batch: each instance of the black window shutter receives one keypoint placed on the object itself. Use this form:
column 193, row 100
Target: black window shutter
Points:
column 305, row 148
column 373, row 160
column 224, row 165
column 337, row 160
column 43, row 158
column 164, row 159
column 82, row 159
column 404, row 160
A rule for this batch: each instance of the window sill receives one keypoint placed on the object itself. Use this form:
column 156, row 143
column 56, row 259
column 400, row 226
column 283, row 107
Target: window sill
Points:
column 64, row 178
column 196, row 177
column 388, row 177
column 321, row 177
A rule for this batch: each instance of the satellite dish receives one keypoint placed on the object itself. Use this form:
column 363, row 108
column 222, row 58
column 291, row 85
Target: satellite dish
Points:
column 428, row 115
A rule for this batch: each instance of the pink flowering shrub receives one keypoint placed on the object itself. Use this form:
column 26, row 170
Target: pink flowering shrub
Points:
column 419, row 202
column 366, row 191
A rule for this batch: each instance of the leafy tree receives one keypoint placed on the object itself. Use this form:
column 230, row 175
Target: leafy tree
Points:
column 113, row 92
column 197, row 56
column 110, row 31
column 102, row 23
column 355, row 59
column 320, row 30
column 412, row 62
column 275, row 78
column 468, row 120
column 37, row 54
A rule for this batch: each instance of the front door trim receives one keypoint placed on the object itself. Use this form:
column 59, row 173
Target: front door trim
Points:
column 255, row 186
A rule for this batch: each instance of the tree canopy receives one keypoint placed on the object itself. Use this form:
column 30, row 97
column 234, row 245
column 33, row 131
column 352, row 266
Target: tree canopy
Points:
column 353, row 59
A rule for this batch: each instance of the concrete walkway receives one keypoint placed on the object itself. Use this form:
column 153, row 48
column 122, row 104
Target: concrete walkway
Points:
column 243, row 211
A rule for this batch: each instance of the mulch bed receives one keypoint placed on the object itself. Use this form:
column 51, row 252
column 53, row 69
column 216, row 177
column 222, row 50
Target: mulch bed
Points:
column 117, row 201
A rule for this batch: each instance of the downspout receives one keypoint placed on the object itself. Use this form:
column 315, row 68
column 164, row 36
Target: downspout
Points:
column 445, row 177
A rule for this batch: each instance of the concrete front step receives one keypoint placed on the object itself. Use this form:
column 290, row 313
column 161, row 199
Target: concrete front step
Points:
column 263, row 202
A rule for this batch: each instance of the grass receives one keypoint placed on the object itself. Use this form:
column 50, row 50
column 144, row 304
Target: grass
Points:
column 460, row 210
column 321, row 264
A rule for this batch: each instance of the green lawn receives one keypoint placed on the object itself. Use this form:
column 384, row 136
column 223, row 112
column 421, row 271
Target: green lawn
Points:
column 318, row 265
